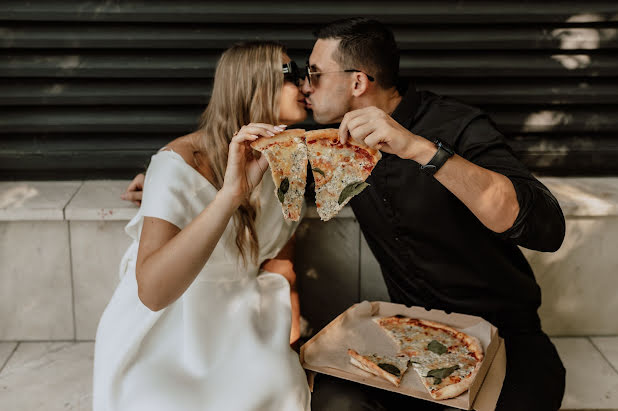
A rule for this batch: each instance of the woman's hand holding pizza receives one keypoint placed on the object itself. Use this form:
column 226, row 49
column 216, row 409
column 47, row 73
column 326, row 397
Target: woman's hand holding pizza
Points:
column 244, row 169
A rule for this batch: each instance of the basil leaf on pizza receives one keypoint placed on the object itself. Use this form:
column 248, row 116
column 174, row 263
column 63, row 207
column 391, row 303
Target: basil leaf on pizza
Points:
column 352, row 190
column 283, row 188
column 436, row 347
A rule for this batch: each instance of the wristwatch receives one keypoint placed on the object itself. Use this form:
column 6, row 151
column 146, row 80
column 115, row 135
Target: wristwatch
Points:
column 444, row 153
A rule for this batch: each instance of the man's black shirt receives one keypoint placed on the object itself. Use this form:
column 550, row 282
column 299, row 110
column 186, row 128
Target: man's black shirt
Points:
column 432, row 250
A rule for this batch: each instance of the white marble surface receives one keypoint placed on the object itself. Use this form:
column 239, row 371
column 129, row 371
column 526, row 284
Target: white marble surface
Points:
column 35, row 200
column 48, row 377
column 99, row 200
column 98, row 247
column 35, row 281
column 591, row 383
column 578, row 282
column 6, row 349
column 585, row 196
column 609, row 348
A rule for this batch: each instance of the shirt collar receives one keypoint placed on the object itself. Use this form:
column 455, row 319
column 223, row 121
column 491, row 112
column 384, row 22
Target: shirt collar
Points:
column 406, row 109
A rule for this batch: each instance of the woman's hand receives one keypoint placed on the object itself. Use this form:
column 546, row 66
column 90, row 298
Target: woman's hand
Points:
column 244, row 172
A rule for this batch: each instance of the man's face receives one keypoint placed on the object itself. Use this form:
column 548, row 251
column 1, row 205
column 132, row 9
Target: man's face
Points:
column 329, row 95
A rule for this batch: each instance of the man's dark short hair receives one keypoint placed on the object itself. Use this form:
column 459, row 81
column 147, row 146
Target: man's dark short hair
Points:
column 366, row 45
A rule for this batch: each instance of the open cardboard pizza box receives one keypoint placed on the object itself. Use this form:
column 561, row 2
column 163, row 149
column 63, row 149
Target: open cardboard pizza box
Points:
column 326, row 352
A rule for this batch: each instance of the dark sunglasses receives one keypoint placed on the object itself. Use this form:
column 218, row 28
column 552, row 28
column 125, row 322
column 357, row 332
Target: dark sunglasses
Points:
column 314, row 76
column 292, row 73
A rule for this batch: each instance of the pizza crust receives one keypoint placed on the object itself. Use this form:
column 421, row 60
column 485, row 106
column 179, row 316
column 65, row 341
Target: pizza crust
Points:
column 453, row 390
column 263, row 142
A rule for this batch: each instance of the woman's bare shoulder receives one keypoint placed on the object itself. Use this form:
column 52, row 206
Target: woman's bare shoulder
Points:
column 186, row 148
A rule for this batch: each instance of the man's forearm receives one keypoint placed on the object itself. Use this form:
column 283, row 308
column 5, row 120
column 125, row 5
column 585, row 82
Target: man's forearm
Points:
column 489, row 195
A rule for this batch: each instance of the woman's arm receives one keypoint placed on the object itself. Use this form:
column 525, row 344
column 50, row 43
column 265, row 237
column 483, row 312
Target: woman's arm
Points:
column 169, row 259
column 283, row 264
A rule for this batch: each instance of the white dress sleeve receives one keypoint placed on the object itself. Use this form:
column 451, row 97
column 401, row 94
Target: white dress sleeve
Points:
column 167, row 191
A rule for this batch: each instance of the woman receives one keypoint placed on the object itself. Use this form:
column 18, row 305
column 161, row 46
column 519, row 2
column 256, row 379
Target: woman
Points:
column 194, row 324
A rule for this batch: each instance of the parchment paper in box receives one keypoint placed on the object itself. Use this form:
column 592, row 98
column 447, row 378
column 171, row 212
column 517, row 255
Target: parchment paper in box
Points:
column 326, row 352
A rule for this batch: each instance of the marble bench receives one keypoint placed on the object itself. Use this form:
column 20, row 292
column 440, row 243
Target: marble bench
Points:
column 61, row 242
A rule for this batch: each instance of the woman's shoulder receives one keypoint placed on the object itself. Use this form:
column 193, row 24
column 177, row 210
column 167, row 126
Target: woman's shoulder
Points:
column 185, row 147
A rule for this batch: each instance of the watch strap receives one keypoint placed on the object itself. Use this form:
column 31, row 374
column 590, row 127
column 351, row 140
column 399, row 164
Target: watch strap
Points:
column 444, row 153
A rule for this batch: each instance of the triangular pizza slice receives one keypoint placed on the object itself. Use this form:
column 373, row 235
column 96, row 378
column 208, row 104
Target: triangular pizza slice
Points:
column 339, row 170
column 287, row 156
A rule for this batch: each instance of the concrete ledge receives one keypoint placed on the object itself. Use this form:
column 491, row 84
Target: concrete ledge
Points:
column 585, row 196
column 36, row 200
column 69, row 236
column 98, row 200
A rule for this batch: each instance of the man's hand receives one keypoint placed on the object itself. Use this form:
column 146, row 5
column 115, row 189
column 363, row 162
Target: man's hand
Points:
column 378, row 130
column 135, row 190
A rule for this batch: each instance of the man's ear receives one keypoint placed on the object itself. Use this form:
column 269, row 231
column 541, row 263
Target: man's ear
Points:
column 361, row 84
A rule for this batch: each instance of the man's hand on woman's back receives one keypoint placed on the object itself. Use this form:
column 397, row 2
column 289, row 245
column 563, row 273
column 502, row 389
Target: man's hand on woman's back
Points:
column 135, row 190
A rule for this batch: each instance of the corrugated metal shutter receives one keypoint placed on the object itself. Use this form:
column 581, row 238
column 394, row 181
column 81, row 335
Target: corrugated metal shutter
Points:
column 93, row 88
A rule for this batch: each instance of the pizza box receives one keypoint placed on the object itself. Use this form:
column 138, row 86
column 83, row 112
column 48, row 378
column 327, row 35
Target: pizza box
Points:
column 326, row 352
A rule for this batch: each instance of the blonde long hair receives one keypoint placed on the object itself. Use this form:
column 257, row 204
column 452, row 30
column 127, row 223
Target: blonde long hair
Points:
column 247, row 87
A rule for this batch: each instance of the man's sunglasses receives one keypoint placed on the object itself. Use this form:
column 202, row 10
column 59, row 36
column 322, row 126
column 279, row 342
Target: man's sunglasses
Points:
column 292, row 73
column 314, row 76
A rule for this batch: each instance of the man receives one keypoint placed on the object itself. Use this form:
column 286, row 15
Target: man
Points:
column 444, row 227
column 447, row 207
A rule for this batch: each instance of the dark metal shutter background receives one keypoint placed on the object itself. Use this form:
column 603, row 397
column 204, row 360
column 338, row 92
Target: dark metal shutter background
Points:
column 91, row 89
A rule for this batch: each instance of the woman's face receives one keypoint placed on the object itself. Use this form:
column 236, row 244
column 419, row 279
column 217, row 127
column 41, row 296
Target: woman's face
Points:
column 292, row 102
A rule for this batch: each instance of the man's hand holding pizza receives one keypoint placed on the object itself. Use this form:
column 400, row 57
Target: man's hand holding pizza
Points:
column 489, row 195
column 378, row 130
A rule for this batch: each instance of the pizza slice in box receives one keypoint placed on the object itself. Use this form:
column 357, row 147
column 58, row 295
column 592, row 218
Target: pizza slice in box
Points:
column 391, row 368
column 339, row 170
column 287, row 156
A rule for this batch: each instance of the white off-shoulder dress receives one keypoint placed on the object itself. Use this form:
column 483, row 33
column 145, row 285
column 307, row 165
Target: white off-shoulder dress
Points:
column 224, row 344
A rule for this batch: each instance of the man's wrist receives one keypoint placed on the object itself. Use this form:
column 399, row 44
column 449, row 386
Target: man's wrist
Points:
column 422, row 150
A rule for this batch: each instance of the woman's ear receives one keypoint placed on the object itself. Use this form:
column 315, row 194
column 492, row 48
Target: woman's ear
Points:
column 361, row 84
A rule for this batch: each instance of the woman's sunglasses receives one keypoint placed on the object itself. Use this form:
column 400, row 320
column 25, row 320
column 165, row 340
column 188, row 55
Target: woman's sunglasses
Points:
column 292, row 73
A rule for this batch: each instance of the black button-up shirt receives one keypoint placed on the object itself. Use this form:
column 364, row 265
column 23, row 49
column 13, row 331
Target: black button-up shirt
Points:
column 432, row 250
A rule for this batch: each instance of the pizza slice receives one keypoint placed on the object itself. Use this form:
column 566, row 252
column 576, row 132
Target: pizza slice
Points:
column 446, row 359
column 339, row 170
column 391, row 368
column 287, row 156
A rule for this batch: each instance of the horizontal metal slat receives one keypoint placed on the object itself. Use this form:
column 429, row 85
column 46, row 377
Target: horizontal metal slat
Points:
column 182, row 36
column 198, row 91
column 70, row 119
column 184, row 64
column 104, row 91
column 181, row 119
column 318, row 11
column 64, row 156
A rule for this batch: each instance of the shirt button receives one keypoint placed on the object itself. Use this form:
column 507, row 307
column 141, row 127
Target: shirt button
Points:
column 396, row 238
column 384, row 199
